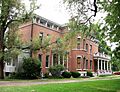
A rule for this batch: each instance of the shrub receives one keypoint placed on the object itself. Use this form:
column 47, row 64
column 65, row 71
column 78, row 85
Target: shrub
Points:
column 89, row 73
column 56, row 70
column 75, row 74
column 46, row 75
column 66, row 74
column 105, row 75
column 31, row 68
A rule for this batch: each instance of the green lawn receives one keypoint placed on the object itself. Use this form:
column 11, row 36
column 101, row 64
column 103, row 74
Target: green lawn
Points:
column 90, row 86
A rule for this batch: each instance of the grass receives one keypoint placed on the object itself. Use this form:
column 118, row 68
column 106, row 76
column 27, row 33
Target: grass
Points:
column 89, row 86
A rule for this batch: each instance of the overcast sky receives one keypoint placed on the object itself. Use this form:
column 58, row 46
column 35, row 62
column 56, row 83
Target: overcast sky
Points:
column 53, row 10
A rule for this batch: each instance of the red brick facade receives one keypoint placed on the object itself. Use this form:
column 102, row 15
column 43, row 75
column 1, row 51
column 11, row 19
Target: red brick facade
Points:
column 79, row 58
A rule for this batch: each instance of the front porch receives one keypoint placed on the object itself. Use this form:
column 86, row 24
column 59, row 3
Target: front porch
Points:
column 102, row 64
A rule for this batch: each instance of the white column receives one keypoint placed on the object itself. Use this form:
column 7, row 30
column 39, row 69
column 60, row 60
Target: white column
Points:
column 98, row 64
column 110, row 66
column 101, row 64
column 107, row 65
column 52, row 59
column 104, row 64
column 58, row 58
column 63, row 60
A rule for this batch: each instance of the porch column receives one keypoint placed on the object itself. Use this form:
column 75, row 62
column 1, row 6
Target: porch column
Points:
column 104, row 64
column 63, row 60
column 52, row 59
column 101, row 64
column 58, row 58
column 98, row 64
column 110, row 66
column 107, row 65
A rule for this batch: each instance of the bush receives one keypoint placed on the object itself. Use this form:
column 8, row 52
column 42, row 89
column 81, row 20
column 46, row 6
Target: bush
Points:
column 75, row 74
column 105, row 75
column 31, row 69
column 89, row 73
column 56, row 70
column 46, row 75
column 66, row 74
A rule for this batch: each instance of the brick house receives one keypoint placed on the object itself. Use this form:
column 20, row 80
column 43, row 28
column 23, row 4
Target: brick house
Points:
column 82, row 58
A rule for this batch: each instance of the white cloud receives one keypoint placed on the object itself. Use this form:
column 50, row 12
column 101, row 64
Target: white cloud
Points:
column 53, row 10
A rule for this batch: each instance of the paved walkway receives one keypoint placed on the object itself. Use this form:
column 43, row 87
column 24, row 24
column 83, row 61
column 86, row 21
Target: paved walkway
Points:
column 39, row 82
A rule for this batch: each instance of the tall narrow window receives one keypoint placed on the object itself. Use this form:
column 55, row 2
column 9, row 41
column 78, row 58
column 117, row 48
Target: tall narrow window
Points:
column 61, row 59
column 55, row 59
column 90, row 64
column 41, row 35
column 40, row 57
column 90, row 48
column 78, row 43
column 83, row 43
column 86, row 64
column 47, row 61
column 78, row 62
column 86, row 47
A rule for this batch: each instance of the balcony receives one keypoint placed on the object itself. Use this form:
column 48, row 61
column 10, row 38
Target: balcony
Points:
column 9, row 69
column 101, row 55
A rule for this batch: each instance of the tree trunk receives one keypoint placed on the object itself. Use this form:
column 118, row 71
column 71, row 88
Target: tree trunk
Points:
column 1, row 69
column 2, row 53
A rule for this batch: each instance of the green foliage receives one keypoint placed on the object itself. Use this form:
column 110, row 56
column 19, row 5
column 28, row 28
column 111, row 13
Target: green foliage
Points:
column 112, row 26
column 46, row 75
column 89, row 73
column 12, row 14
column 31, row 69
column 56, row 70
column 105, row 75
column 75, row 74
column 66, row 74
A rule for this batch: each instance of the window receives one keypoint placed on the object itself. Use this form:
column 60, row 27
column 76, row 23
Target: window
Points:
column 83, row 43
column 37, row 20
column 78, row 43
column 49, row 25
column 43, row 22
column 61, row 59
column 41, row 35
column 47, row 61
column 90, row 48
column 55, row 27
column 86, row 47
column 86, row 64
column 90, row 64
column 55, row 59
column 78, row 62
column 40, row 57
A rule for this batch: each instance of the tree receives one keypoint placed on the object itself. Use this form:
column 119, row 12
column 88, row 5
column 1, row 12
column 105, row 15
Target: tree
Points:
column 112, row 26
column 11, row 11
column 110, row 30
column 82, row 10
